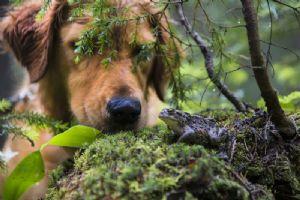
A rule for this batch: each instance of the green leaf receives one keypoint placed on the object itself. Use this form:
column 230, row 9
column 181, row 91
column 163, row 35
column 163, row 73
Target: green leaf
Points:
column 77, row 136
column 31, row 169
column 28, row 172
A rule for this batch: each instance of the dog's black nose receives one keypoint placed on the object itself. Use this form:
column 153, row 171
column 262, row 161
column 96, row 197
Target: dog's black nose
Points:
column 124, row 110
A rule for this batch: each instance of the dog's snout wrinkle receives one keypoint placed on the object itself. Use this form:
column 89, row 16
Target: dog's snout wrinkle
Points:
column 124, row 110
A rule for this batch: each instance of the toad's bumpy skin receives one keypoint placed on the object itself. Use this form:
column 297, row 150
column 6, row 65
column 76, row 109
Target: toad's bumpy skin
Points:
column 193, row 129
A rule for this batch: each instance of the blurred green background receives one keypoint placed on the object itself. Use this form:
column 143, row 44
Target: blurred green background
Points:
column 221, row 24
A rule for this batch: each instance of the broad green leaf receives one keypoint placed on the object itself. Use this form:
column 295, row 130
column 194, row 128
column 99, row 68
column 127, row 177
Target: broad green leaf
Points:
column 31, row 169
column 28, row 172
column 77, row 136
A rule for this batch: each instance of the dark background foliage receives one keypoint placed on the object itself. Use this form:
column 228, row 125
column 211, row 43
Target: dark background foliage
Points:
column 11, row 75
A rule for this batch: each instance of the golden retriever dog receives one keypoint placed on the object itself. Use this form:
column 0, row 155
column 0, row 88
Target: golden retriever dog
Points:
column 110, row 98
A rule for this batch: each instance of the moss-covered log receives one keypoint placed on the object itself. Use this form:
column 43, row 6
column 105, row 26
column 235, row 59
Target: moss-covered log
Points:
column 147, row 165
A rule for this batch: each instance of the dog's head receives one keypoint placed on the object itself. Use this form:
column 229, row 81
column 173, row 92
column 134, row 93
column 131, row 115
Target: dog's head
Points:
column 111, row 94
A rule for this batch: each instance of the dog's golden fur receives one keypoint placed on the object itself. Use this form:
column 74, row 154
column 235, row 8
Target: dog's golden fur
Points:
column 66, row 89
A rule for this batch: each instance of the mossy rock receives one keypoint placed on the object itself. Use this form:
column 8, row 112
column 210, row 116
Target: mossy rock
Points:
column 149, row 165
column 145, row 166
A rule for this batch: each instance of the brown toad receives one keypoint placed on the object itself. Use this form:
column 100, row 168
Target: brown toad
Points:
column 193, row 129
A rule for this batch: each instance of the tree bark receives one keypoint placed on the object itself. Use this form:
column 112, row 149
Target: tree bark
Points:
column 285, row 126
column 209, row 63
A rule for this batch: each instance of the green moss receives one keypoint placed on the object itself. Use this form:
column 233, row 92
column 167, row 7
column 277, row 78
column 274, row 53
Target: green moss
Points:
column 264, row 158
column 149, row 165
column 146, row 166
column 226, row 189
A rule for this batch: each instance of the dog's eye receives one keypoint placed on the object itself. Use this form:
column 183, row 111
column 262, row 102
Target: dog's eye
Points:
column 72, row 45
column 137, row 50
column 143, row 52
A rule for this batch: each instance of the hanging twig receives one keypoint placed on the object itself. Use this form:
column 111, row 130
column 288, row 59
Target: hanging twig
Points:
column 295, row 9
column 208, row 56
column 286, row 127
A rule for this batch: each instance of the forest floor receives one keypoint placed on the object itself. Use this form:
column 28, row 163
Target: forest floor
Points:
column 150, row 165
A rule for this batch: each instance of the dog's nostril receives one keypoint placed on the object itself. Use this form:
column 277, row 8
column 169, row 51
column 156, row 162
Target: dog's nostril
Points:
column 124, row 109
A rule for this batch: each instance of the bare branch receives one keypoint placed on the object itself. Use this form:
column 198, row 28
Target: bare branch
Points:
column 208, row 56
column 295, row 9
column 282, row 47
column 268, row 55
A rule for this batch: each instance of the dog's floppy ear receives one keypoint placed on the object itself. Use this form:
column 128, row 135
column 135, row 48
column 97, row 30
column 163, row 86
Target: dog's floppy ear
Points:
column 30, row 39
column 167, row 58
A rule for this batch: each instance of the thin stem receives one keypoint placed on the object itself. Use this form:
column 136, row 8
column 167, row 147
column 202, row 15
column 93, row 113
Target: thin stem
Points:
column 208, row 56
